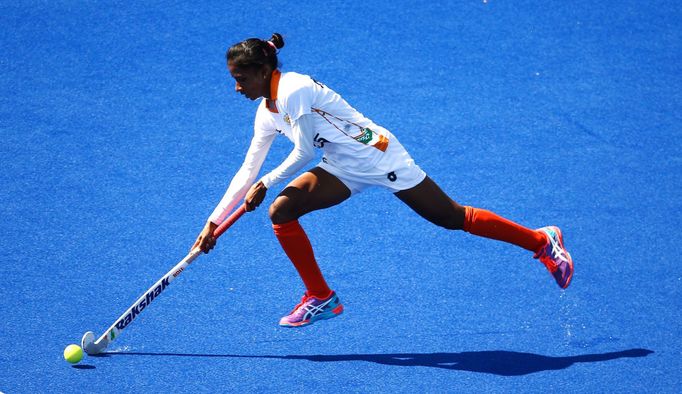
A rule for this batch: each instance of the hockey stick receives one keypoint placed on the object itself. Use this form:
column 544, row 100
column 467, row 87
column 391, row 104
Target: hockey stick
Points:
column 88, row 342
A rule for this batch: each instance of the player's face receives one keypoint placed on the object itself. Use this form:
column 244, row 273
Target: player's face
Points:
column 252, row 82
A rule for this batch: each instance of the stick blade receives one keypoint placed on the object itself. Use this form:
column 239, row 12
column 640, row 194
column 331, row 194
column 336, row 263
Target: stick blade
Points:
column 90, row 346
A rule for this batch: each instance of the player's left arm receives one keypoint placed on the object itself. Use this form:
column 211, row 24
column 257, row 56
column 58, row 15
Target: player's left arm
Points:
column 303, row 131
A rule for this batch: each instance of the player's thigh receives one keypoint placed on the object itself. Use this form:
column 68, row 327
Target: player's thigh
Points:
column 431, row 203
column 312, row 190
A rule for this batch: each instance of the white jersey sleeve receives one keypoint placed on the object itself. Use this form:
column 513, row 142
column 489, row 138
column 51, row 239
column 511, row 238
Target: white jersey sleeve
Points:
column 302, row 135
column 264, row 135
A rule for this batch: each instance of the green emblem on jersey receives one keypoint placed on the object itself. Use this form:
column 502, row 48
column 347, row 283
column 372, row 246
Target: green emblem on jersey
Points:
column 113, row 335
column 366, row 136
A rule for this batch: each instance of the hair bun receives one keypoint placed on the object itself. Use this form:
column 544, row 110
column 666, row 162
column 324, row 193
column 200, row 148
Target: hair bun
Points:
column 277, row 40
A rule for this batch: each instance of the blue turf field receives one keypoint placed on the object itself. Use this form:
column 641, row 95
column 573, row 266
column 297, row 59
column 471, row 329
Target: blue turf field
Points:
column 120, row 131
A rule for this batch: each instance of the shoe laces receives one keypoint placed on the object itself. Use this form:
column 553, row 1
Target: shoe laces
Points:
column 557, row 253
column 304, row 300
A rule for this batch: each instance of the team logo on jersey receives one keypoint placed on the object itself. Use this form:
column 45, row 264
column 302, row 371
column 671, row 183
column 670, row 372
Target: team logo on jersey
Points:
column 366, row 136
column 369, row 137
column 287, row 119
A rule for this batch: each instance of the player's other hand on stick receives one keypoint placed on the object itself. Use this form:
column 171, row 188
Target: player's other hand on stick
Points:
column 255, row 196
column 205, row 240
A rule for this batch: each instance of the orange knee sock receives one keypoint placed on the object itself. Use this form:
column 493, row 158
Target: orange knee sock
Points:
column 487, row 224
column 297, row 246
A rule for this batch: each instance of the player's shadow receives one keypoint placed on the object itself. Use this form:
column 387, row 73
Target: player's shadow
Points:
column 497, row 362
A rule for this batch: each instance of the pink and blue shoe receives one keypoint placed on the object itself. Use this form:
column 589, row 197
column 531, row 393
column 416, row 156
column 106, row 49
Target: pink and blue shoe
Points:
column 555, row 257
column 312, row 309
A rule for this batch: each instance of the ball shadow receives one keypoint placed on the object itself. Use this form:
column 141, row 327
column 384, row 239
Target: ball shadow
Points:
column 83, row 366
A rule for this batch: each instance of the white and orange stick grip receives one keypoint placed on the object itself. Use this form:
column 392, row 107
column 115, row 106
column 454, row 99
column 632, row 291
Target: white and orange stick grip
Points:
column 92, row 346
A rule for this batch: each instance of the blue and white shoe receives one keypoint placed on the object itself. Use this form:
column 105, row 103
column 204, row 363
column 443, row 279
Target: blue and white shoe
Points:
column 555, row 257
column 312, row 309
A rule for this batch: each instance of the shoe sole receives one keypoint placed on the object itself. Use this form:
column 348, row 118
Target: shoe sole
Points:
column 322, row 316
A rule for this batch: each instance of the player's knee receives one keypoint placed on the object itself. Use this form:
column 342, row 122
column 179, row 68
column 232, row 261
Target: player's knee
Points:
column 281, row 211
column 276, row 213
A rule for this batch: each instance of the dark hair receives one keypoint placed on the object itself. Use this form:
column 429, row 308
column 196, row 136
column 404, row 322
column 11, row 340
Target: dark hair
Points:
column 254, row 52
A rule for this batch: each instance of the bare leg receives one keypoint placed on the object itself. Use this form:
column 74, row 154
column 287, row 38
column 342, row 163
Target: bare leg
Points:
column 313, row 190
column 431, row 203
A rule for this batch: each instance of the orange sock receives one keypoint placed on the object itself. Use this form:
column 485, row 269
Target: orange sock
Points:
column 487, row 224
column 297, row 246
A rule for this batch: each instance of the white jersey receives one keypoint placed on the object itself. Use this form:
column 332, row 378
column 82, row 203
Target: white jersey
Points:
column 312, row 116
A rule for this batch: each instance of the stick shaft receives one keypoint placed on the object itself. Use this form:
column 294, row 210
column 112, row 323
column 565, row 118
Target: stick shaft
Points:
column 150, row 295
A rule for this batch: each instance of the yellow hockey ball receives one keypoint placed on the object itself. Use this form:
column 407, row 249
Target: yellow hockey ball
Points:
column 73, row 354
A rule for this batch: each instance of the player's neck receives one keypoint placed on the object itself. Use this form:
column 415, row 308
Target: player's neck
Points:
column 272, row 85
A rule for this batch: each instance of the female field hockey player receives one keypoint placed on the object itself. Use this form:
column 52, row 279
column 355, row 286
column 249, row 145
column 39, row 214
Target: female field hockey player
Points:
column 357, row 154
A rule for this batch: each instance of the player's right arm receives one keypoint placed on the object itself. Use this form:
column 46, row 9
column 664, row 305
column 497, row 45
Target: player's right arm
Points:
column 245, row 176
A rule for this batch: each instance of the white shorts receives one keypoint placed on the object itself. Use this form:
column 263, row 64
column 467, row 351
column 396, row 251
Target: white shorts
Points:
column 405, row 174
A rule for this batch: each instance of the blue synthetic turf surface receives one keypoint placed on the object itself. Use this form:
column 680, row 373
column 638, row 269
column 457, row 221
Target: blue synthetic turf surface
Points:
column 120, row 131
